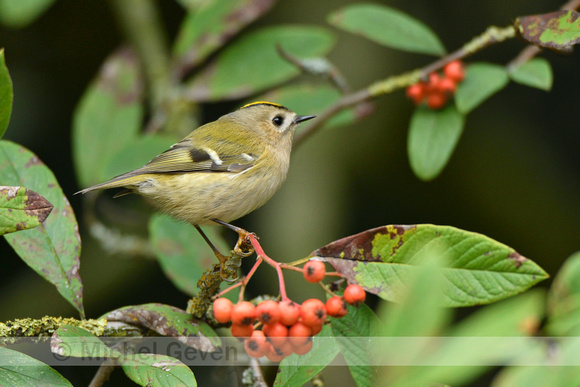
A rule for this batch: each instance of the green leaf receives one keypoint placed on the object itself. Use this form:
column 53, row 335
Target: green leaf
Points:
column 6, row 95
column 482, row 80
column 169, row 321
column 21, row 209
column 534, row 73
column 419, row 316
column 137, row 153
column 308, row 99
column 19, row 13
column 433, row 135
column 515, row 317
column 212, row 25
column 389, row 27
column 53, row 248
column 296, row 370
column 181, row 251
column 18, row 369
column 354, row 333
column 74, row 341
column 157, row 370
column 564, row 300
column 108, row 117
column 557, row 31
column 252, row 64
column 384, row 261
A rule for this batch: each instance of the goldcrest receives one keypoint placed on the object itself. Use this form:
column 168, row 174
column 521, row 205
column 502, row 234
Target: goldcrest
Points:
column 223, row 170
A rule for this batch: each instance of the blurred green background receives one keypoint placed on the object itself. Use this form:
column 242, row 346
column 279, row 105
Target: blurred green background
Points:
column 515, row 175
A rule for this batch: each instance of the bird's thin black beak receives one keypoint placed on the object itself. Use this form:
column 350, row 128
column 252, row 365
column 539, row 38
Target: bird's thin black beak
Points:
column 300, row 119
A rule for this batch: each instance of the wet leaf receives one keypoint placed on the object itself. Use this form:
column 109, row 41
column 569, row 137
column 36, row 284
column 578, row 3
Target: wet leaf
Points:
column 182, row 252
column 18, row 369
column 384, row 260
column 137, row 153
column 564, row 300
column 74, row 341
column 19, row 13
column 108, row 117
column 308, row 99
column 21, row 209
column 355, row 331
column 213, row 24
column 433, row 135
column 169, row 321
column 6, row 95
column 534, row 73
column 557, row 31
column 157, row 370
column 53, row 248
column 388, row 26
column 252, row 64
column 296, row 370
column 482, row 80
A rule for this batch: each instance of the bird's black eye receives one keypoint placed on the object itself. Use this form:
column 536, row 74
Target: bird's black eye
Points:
column 278, row 120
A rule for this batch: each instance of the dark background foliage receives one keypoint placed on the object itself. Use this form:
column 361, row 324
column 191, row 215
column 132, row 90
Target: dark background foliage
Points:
column 515, row 175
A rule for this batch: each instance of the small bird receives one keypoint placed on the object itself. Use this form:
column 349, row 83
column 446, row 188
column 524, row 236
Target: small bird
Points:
column 220, row 172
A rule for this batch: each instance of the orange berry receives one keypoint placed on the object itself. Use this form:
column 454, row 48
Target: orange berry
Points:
column 354, row 294
column 448, row 85
column 222, row 310
column 256, row 345
column 436, row 100
column 336, row 306
column 285, row 348
column 313, row 312
column 274, row 354
column 299, row 333
column 241, row 331
column 289, row 312
column 416, row 92
column 304, row 348
column 316, row 329
column 432, row 83
column 268, row 312
column 314, row 271
column 243, row 313
column 454, row 70
column 276, row 333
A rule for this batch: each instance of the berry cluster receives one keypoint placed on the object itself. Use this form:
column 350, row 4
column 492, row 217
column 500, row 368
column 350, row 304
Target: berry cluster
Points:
column 286, row 326
column 438, row 88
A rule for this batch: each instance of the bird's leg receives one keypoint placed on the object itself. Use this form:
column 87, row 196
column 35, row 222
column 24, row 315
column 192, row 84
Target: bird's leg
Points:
column 222, row 258
column 242, row 247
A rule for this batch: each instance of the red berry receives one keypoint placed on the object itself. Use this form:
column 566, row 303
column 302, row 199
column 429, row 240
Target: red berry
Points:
column 436, row 100
column 243, row 313
column 354, row 294
column 276, row 333
column 454, row 70
column 222, row 310
column 313, row 312
column 274, row 354
column 268, row 312
column 448, row 85
column 432, row 84
column 304, row 348
column 336, row 306
column 314, row 271
column 289, row 312
column 299, row 333
column 256, row 345
column 241, row 331
column 284, row 348
column 416, row 92
column 316, row 329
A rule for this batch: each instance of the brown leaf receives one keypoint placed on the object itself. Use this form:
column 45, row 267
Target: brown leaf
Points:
column 557, row 31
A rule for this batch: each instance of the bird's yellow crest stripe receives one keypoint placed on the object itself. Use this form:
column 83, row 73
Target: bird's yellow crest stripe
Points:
column 264, row 103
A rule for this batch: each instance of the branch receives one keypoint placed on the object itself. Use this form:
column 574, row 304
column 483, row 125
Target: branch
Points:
column 491, row 36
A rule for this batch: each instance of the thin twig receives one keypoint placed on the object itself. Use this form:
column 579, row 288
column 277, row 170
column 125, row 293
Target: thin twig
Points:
column 258, row 376
column 103, row 374
column 261, row 254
